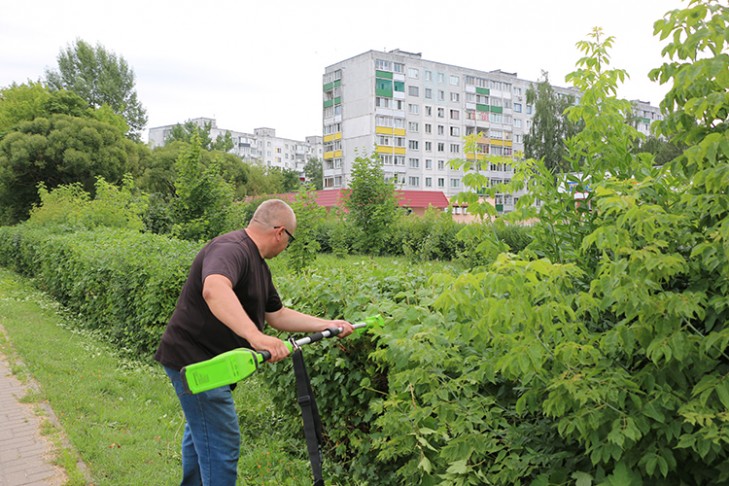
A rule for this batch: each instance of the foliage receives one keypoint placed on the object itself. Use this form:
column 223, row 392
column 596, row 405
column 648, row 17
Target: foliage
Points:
column 21, row 103
column 662, row 150
column 60, row 149
column 302, row 252
column 202, row 196
column 550, row 126
column 371, row 203
column 101, row 78
column 117, row 280
column 184, row 133
column 69, row 207
column 314, row 173
column 429, row 237
column 598, row 355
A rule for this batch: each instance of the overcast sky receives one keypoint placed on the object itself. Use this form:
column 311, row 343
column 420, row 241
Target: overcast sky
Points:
column 259, row 63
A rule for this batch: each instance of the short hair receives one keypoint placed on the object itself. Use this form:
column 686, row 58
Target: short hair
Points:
column 274, row 212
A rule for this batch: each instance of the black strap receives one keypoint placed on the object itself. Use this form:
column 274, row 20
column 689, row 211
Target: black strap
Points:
column 312, row 421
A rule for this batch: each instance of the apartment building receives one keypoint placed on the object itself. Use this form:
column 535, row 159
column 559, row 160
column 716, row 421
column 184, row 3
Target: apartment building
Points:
column 262, row 146
column 414, row 113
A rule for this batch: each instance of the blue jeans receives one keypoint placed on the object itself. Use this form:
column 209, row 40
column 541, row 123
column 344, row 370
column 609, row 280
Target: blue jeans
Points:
column 211, row 441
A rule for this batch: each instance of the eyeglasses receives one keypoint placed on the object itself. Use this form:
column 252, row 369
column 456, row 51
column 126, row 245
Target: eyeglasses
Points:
column 291, row 237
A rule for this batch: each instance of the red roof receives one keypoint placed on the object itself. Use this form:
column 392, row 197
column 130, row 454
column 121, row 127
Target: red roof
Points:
column 422, row 199
column 328, row 198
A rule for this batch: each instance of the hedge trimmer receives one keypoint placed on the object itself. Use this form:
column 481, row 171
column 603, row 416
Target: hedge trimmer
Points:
column 236, row 365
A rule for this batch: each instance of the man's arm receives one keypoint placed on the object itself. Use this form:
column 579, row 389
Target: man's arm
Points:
column 225, row 306
column 289, row 320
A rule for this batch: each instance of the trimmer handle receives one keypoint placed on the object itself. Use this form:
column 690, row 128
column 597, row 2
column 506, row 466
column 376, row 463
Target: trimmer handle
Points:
column 318, row 336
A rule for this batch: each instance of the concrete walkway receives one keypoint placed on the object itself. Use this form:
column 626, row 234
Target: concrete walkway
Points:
column 25, row 455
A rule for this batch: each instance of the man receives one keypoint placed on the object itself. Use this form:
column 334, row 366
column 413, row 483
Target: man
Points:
column 227, row 298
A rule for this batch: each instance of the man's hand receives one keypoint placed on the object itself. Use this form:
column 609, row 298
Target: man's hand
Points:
column 346, row 327
column 275, row 346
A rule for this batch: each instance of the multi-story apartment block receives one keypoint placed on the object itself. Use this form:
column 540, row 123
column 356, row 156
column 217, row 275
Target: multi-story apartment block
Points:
column 644, row 115
column 414, row 113
column 262, row 146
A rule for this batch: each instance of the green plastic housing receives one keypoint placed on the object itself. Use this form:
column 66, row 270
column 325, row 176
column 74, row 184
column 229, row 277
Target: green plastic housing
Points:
column 224, row 369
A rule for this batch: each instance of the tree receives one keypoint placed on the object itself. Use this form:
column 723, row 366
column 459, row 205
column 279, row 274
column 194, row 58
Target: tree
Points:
column 550, row 126
column 56, row 150
column 371, row 203
column 662, row 150
column 184, row 133
column 101, row 78
column 314, row 173
column 202, row 196
column 25, row 102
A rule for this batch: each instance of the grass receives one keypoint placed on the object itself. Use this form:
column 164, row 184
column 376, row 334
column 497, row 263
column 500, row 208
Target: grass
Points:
column 120, row 415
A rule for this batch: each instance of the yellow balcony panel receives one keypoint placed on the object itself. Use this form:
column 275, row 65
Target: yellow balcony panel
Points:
column 386, row 149
column 384, row 130
column 332, row 154
column 333, row 136
column 400, row 132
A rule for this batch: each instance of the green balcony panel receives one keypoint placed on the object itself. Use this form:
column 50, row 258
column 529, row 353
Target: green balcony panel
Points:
column 483, row 91
column 497, row 109
column 383, row 74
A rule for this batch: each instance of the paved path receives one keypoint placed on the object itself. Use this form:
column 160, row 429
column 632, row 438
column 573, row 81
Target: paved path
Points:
column 25, row 455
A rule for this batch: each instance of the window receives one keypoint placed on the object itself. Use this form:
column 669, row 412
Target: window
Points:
column 413, row 73
column 413, row 145
column 441, row 95
column 517, row 107
column 428, row 182
column 529, row 109
column 428, row 94
column 455, row 97
column 517, row 122
column 441, row 78
column 455, row 148
column 414, row 181
column 429, row 75
column 441, row 130
column 455, row 115
column 441, row 182
column 441, row 147
column 398, row 67
column 428, row 127
column 428, row 146
column 455, row 182
column 383, row 65
column 413, row 126
column 453, row 80
column 455, row 132
column 414, row 163
column 414, row 109
column 441, row 112
column 441, row 165
column 413, row 91
column 428, row 111
column 428, row 163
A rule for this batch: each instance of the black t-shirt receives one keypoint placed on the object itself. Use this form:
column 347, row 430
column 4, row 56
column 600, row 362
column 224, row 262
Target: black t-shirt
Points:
column 193, row 333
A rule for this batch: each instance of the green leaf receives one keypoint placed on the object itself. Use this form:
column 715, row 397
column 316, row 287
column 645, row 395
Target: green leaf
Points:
column 458, row 467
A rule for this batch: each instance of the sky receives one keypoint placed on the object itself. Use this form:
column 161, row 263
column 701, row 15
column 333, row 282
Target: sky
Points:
column 251, row 64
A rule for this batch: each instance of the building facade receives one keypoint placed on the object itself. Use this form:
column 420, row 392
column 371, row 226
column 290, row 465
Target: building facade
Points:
column 261, row 147
column 414, row 114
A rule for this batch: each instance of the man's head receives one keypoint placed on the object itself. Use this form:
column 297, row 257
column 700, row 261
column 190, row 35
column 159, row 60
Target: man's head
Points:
column 272, row 227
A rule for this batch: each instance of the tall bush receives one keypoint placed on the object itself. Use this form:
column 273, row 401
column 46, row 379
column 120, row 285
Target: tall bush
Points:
column 598, row 355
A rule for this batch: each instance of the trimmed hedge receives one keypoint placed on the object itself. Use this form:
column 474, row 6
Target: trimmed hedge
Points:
column 120, row 282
